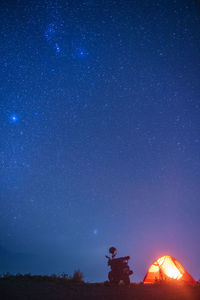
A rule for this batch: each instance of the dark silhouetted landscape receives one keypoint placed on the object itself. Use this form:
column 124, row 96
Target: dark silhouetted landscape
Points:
column 52, row 287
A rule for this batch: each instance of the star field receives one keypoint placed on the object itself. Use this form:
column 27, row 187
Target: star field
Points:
column 100, row 126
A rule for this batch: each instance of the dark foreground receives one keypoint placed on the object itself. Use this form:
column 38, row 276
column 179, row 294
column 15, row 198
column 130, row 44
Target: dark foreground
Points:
column 34, row 288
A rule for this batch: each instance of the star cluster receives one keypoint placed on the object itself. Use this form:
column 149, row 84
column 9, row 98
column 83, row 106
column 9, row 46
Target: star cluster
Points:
column 100, row 125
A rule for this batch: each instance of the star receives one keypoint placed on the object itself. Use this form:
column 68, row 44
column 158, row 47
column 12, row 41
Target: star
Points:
column 95, row 231
column 81, row 52
column 13, row 118
column 57, row 48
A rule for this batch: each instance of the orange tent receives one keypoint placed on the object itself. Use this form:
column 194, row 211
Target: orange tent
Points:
column 167, row 267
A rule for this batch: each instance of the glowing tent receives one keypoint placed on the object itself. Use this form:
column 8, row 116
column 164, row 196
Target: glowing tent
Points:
column 167, row 267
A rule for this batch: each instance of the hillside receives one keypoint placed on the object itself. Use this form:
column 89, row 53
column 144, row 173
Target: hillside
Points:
column 49, row 288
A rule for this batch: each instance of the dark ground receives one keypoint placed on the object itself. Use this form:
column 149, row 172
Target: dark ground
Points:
column 38, row 288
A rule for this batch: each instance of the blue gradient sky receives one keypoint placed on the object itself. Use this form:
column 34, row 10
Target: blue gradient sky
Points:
column 100, row 134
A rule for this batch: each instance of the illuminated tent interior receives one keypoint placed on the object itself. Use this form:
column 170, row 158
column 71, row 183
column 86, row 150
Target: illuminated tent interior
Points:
column 165, row 268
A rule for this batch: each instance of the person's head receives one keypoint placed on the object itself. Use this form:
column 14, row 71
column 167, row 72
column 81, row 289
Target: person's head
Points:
column 113, row 251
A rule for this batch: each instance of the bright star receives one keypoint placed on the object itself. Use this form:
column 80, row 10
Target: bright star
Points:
column 57, row 48
column 13, row 118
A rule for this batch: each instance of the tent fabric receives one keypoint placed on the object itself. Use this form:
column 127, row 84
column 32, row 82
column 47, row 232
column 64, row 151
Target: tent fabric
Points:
column 165, row 268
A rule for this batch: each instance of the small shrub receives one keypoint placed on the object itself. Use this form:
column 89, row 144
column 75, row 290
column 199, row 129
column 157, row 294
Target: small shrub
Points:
column 64, row 275
column 7, row 275
column 53, row 276
column 77, row 276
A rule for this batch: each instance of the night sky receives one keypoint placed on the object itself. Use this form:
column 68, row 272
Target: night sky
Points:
column 100, row 134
